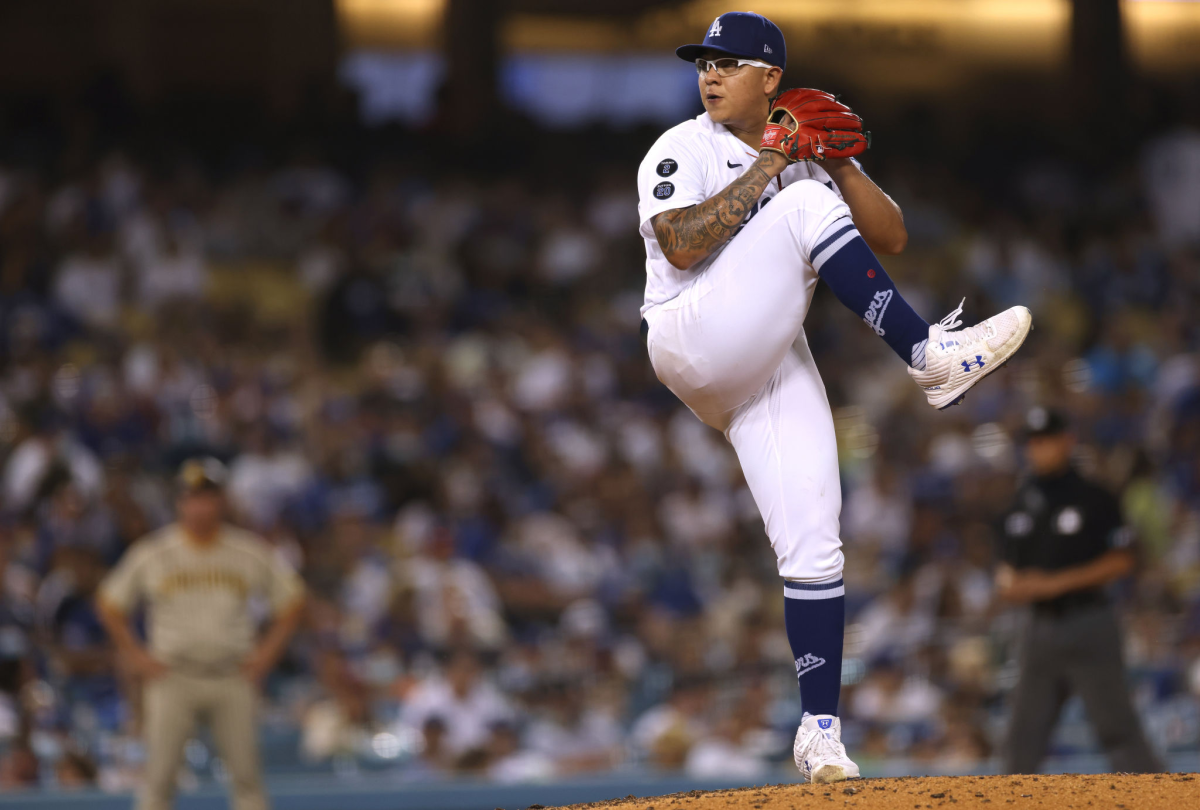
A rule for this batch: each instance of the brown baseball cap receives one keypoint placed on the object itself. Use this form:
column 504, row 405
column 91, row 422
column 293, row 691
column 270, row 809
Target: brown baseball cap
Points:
column 205, row 474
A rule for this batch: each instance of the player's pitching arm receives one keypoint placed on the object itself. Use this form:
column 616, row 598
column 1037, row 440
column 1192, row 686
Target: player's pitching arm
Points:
column 689, row 235
column 879, row 220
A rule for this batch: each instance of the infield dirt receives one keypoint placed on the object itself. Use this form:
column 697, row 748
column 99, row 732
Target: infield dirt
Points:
column 1168, row 791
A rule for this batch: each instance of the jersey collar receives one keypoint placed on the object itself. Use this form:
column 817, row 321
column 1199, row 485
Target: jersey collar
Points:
column 720, row 130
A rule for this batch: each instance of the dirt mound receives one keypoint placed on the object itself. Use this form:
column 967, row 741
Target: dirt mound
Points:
column 1168, row 791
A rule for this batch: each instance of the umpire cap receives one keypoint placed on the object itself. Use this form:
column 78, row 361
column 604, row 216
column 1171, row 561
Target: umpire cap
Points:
column 743, row 34
column 1040, row 421
column 201, row 475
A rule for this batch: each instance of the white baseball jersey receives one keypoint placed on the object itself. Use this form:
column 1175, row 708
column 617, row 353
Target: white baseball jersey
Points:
column 688, row 164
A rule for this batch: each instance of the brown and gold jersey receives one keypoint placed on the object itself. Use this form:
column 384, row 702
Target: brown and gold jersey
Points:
column 199, row 598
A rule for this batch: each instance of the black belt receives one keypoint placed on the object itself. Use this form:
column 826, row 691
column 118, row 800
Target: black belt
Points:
column 645, row 329
column 1070, row 604
column 196, row 669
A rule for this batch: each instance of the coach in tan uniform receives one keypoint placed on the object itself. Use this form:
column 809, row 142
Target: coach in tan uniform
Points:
column 203, row 661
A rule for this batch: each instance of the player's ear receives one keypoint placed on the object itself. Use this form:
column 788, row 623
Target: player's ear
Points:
column 771, row 80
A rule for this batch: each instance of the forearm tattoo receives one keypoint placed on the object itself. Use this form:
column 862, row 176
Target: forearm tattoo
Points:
column 695, row 232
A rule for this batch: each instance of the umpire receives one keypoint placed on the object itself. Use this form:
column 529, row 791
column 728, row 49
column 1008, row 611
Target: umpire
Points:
column 202, row 661
column 1063, row 541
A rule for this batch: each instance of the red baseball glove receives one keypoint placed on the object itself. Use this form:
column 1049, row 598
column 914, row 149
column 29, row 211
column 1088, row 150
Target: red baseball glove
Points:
column 806, row 124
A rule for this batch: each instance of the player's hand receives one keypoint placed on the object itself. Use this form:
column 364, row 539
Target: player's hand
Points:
column 1025, row 585
column 806, row 124
column 147, row 666
column 256, row 668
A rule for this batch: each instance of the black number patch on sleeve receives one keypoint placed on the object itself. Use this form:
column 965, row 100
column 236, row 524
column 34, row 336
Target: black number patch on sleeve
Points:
column 667, row 167
column 664, row 190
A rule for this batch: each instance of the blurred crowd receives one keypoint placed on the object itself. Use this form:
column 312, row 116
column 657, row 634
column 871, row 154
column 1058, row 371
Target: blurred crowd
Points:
column 526, row 560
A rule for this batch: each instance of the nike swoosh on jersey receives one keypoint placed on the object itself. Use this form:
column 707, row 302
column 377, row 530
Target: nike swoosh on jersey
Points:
column 732, row 165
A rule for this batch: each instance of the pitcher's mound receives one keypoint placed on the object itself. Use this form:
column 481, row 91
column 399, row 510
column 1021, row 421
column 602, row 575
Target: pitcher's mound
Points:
column 1168, row 791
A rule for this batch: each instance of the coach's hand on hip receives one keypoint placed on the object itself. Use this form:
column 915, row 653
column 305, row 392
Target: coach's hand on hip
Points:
column 146, row 665
column 256, row 667
column 259, row 663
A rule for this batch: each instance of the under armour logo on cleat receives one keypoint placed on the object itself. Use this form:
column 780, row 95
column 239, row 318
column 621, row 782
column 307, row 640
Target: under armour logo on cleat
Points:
column 978, row 361
column 825, row 723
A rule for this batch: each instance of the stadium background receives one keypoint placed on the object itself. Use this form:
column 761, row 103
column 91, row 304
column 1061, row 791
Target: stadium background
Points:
column 381, row 257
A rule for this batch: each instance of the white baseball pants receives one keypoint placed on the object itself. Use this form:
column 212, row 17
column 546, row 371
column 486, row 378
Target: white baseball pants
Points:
column 731, row 346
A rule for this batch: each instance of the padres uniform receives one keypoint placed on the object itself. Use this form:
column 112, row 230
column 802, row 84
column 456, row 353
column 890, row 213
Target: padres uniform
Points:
column 200, row 625
column 726, row 335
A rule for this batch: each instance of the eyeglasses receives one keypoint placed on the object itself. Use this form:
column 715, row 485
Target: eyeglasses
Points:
column 727, row 67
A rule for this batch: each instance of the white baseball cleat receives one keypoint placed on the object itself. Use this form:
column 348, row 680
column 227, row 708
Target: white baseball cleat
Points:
column 819, row 752
column 956, row 361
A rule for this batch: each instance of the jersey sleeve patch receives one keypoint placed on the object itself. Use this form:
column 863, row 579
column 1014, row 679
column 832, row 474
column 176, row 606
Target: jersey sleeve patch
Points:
column 682, row 155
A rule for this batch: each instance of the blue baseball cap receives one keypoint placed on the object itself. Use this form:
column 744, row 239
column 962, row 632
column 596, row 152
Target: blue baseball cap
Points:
column 742, row 34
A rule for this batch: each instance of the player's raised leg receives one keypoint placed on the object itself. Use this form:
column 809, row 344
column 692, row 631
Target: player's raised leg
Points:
column 943, row 362
column 725, row 335
column 859, row 281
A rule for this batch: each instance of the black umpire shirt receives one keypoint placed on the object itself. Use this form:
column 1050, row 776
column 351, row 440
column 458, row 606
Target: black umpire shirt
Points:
column 1059, row 522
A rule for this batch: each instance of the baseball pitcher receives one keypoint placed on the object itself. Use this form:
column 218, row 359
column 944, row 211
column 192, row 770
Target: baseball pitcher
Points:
column 203, row 661
column 742, row 209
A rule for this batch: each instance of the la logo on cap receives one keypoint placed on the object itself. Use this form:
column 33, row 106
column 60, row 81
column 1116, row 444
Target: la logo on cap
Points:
column 715, row 31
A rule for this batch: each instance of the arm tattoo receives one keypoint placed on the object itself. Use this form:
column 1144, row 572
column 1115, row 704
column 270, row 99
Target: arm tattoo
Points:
column 691, row 234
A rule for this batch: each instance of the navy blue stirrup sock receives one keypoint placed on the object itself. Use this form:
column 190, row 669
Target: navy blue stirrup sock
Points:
column 859, row 281
column 815, row 617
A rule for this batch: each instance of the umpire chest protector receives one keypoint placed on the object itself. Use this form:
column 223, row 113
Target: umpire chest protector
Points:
column 1059, row 522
